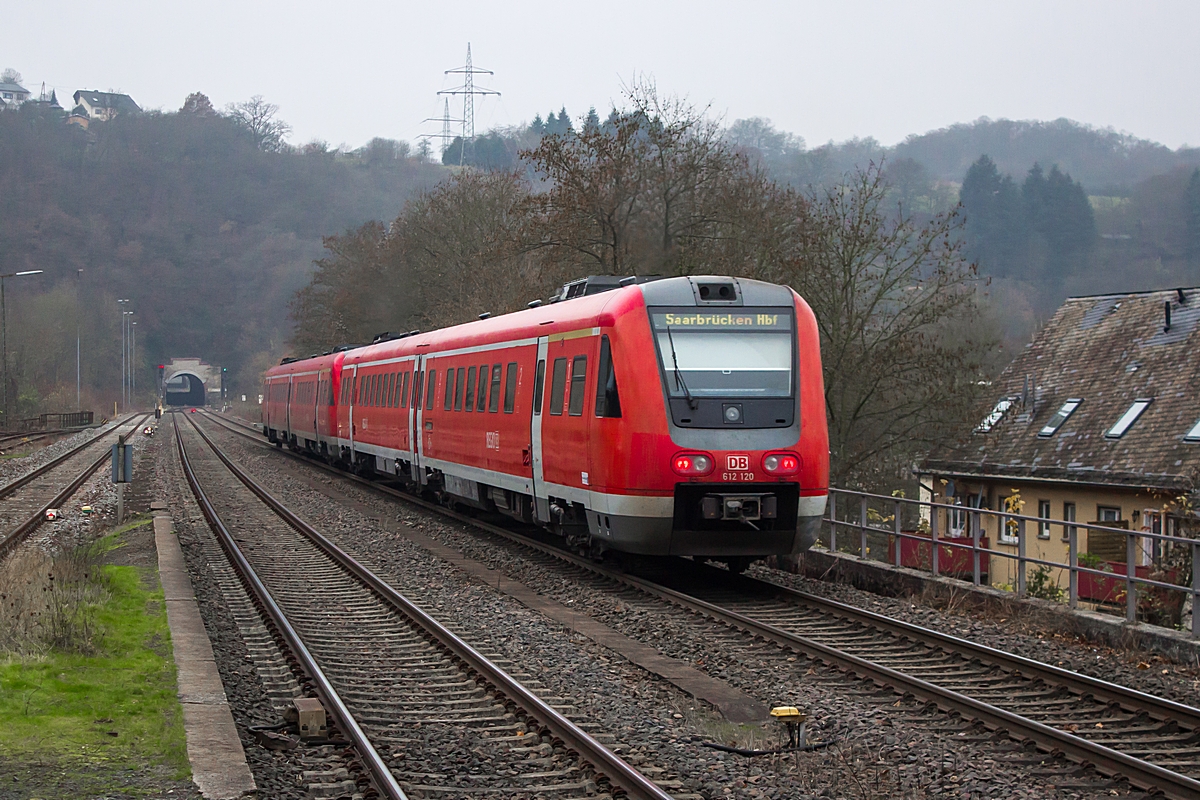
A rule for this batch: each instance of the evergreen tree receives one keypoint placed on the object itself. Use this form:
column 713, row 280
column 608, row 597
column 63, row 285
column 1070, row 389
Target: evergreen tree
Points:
column 537, row 126
column 1060, row 215
column 1191, row 198
column 996, row 234
column 592, row 121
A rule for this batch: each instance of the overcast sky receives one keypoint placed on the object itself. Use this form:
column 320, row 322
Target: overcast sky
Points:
column 346, row 72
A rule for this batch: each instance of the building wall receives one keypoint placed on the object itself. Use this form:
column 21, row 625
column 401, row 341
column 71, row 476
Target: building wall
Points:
column 1137, row 508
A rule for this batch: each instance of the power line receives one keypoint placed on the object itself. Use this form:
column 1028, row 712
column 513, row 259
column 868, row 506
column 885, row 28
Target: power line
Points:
column 468, row 91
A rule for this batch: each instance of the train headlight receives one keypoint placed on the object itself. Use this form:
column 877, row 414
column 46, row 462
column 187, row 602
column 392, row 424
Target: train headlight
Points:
column 692, row 464
column 781, row 463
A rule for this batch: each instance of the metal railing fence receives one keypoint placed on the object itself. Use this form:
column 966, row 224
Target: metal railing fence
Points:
column 870, row 520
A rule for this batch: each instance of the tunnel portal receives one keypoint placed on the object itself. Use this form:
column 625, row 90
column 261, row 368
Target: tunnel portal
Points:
column 184, row 389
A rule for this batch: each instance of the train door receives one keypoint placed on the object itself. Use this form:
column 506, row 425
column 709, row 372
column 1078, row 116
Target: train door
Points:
column 541, row 497
column 352, row 402
column 416, row 413
column 287, row 414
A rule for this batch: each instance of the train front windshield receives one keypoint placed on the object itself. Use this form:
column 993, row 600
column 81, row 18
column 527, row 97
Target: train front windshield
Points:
column 742, row 353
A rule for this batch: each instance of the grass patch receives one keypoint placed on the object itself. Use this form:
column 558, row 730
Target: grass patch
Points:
column 87, row 678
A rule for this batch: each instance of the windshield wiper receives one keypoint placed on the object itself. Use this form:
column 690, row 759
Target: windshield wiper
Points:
column 680, row 383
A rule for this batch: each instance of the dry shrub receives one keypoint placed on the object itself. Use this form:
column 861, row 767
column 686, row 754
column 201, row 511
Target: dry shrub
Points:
column 51, row 602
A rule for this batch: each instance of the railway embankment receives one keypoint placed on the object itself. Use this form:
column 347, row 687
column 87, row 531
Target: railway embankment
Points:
column 87, row 680
column 1138, row 642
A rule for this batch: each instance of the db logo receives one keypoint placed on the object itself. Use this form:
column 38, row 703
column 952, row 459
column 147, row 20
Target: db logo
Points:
column 737, row 463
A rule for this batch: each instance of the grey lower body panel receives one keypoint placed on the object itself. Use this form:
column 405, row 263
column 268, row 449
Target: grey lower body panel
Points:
column 657, row 537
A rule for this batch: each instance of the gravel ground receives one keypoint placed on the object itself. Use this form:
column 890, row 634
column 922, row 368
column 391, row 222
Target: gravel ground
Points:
column 1021, row 629
column 278, row 774
column 885, row 747
column 13, row 468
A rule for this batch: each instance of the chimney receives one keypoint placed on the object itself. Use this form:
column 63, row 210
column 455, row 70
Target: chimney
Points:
column 1167, row 314
column 1182, row 297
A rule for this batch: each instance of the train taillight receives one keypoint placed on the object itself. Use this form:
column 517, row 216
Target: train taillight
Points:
column 781, row 463
column 692, row 464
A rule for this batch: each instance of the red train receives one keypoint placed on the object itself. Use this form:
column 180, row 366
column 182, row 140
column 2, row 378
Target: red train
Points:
column 681, row 416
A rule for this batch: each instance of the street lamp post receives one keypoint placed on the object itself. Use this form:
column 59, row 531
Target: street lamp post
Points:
column 132, row 362
column 124, row 313
column 78, row 315
column 4, row 334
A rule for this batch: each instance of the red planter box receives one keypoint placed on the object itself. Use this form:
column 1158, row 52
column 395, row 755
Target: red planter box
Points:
column 954, row 555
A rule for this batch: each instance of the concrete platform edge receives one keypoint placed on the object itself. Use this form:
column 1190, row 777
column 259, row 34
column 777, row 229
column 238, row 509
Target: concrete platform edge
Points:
column 219, row 767
column 891, row 581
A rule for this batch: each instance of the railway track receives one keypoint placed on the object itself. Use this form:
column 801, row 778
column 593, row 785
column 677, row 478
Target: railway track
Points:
column 25, row 501
column 405, row 689
column 1152, row 742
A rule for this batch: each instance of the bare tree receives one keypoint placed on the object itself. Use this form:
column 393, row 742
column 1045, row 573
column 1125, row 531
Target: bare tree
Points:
column 257, row 117
column 904, row 340
column 10, row 75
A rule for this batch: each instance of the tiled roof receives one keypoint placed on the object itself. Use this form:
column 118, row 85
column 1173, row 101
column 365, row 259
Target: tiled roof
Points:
column 1107, row 351
column 118, row 102
column 13, row 87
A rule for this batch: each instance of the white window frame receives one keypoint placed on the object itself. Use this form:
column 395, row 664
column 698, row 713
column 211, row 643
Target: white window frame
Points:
column 1194, row 434
column 1131, row 415
column 1044, row 516
column 992, row 419
column 1066, row 410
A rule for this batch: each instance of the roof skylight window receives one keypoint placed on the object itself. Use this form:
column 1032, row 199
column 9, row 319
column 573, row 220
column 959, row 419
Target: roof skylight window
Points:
column 1127, row 419
column 1194, row 434
column 1060, row 416
column 989, row 422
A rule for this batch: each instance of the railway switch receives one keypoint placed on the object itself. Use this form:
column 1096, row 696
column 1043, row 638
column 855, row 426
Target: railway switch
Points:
column 311, row 718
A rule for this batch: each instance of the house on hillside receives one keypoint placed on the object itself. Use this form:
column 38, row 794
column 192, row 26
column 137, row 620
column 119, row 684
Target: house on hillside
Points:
column 12, row 95
column 103, row 105
column 1097, row 421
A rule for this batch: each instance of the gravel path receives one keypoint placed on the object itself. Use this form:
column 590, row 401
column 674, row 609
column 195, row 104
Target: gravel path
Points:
column 885, row 747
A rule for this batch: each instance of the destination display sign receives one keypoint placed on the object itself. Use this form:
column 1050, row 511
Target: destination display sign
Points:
column 744, row 319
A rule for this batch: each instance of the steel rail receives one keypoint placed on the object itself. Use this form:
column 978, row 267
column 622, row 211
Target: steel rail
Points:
column 9, row 488
column 620, row 774
column 380, row 775
column 1102, row 690
column 33, row 436
column 22, row 531
column 1145, row 775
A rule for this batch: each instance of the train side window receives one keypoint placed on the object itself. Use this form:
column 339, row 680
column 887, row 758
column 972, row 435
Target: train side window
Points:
column 432, row 380
column 608, row 401
column 403, row 393
column 418, row 381
column 558, row 386
column 372, row 385
column 494, row 400
column 481, row 397
column 354, row 390
column 578, row 385
column 449, row 390
column 460, row 381
column 377, row 390
column 538, row 382
column 390, row 393
column 470, row 391
column 510, row 388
